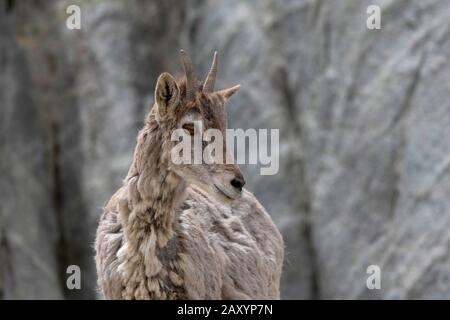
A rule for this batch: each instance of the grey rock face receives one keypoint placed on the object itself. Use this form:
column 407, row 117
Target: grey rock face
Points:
column 379, row 181
column 28, row 228
column 363, row 117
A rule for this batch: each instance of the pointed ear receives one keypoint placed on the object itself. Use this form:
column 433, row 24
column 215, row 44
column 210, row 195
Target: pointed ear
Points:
column 167, row 94
column 227, row 93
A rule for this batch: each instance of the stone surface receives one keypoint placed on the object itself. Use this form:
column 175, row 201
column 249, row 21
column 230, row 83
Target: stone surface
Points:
column 29, row 233
column 363, row 117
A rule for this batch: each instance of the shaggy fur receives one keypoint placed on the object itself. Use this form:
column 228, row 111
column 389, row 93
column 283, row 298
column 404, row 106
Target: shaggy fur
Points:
column 162, row 237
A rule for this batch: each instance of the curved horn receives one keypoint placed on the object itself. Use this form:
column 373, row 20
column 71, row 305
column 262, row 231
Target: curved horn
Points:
column 227, row 93
column 208, row 85
column 191, row 82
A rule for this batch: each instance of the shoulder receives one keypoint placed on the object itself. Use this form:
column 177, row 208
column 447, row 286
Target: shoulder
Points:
column 246, row 205
column 255, row 217
column 202, row 206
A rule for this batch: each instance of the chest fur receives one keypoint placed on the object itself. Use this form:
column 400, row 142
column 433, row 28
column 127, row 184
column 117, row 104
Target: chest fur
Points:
column 149, row 266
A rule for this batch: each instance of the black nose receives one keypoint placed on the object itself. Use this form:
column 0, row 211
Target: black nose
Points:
column 238, row 183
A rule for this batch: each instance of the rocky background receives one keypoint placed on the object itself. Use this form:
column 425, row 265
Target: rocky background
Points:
column 364, row 119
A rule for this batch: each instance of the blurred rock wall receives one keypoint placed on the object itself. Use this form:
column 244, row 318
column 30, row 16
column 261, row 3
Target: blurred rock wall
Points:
column 364, row 119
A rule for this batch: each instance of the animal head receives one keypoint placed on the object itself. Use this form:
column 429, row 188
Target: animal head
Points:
column 187, row 105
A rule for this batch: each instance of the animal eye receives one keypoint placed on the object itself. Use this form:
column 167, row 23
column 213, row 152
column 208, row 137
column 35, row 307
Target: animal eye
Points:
column 189, row 127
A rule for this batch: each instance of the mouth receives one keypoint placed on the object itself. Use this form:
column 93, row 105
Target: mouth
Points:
column 224, row 193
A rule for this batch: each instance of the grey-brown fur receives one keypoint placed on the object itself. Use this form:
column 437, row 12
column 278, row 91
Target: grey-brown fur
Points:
column 168, row 233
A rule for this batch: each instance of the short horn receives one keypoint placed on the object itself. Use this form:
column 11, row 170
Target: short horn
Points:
column 191, row 82
column 227, row 93
column 208, row 85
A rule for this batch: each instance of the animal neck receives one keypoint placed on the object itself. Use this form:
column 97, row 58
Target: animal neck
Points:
column 155, row 192
column 149, row 217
